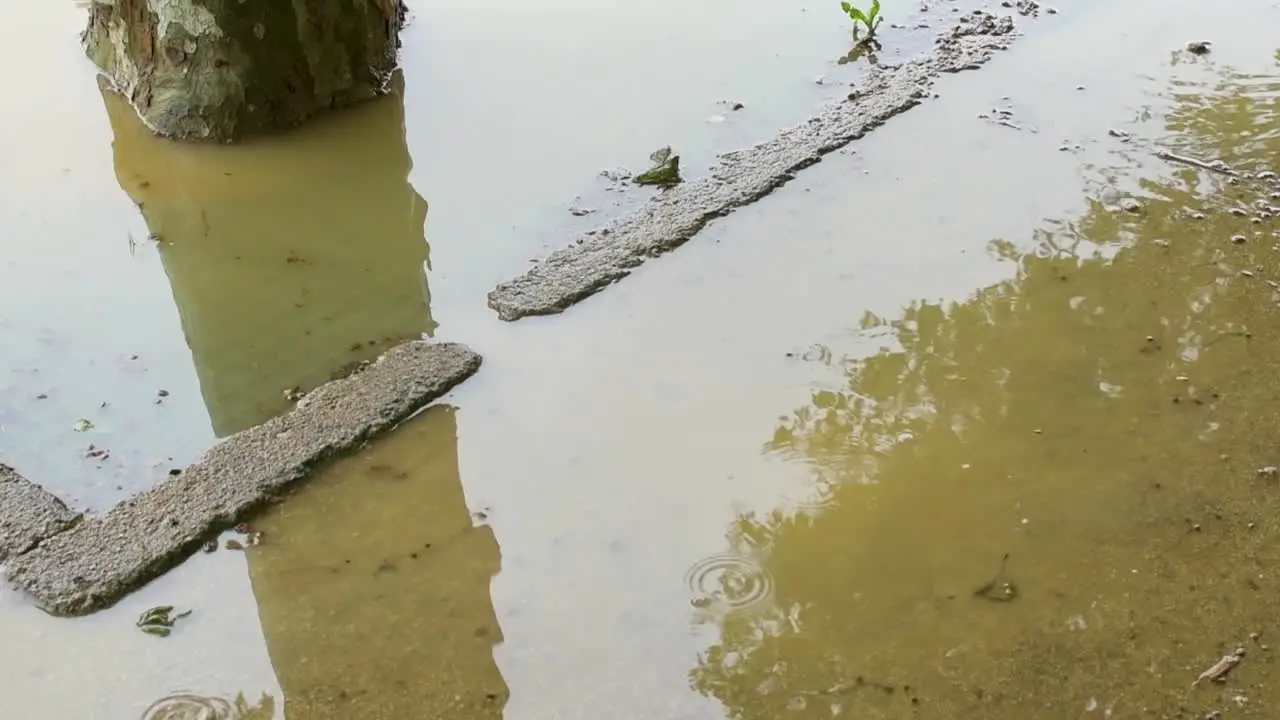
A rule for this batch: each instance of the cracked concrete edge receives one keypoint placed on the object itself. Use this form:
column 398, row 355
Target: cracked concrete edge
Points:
column 29, row 514
column 100, row 560
column 673, row 216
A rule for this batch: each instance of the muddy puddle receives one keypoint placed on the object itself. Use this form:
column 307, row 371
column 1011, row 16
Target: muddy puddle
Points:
column 972, row 420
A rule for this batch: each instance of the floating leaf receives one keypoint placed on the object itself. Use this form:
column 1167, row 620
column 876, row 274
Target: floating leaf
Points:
column 82, row 425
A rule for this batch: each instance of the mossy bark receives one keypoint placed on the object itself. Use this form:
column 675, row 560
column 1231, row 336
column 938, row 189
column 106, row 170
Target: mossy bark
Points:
column 223, row 70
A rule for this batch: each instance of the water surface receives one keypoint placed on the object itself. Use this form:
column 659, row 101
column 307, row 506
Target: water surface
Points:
column 765, row 477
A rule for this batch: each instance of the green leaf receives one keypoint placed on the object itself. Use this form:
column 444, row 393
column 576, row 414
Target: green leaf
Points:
column 875, row 10
column 856, row 14
column 847, row 8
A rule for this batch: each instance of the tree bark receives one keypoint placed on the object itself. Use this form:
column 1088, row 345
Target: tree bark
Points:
column 223, row 70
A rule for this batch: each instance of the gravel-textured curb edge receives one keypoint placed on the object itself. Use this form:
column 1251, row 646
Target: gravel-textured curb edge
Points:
column 673, row 216
column 86, row 566
column 28, row 514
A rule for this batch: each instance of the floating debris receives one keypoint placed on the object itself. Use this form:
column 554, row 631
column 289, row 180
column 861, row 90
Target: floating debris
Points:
column 1217, row 166
column 1199, row 47
column 159, row 620
column 1219, row 671
column 999, row 589
column 82, row 425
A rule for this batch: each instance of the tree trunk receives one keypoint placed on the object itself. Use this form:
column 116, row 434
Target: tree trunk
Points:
column 223, row 70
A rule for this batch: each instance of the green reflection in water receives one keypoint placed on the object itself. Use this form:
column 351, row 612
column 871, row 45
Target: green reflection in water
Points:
column 1100, row 418
column 190, row 706
column 291, row 257
column 372, row 585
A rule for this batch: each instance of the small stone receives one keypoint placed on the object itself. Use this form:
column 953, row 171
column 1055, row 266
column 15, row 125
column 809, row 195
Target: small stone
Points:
column 1269, row 471
column 1198, row 47
column 1130, row 205
column 1239, row 239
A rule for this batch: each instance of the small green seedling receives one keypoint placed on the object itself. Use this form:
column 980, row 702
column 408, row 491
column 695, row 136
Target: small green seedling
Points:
column 870, row 19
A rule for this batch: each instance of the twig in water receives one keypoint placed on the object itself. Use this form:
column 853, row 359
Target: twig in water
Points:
column 1220, row 669
column 1218, row 167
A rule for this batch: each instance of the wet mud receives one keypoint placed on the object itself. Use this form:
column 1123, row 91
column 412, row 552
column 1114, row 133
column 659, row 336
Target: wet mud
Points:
column 675, row 215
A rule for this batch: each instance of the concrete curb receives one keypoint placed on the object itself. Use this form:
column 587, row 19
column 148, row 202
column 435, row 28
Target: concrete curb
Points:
column 92, row 564
column 30, row 514
column 673, row 216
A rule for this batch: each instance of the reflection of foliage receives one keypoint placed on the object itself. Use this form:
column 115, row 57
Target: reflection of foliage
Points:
column 264, row 710
column 188, row 706
column 1056, row 385
column 1234, row 121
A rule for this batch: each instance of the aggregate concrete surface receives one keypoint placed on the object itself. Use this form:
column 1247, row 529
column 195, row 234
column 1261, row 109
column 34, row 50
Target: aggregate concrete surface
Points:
column 28, row 514
column 99, row 560
column 674, row 215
